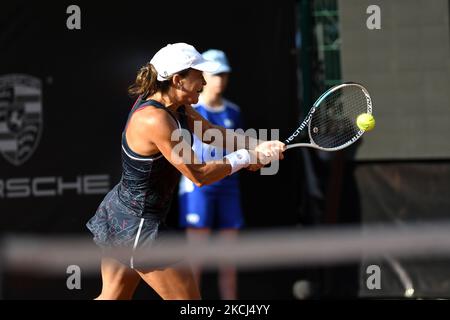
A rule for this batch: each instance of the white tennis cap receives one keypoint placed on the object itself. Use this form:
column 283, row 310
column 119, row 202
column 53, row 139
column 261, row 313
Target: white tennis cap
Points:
column 177, row 57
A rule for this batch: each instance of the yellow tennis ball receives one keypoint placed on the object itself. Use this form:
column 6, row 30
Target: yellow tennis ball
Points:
column 365, row 122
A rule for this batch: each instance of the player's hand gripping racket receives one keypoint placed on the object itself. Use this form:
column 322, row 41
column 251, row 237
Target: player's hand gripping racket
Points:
column 331, row 122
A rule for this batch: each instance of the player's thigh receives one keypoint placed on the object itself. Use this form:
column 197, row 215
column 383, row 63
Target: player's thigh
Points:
column 173, row 283
column 118, row 280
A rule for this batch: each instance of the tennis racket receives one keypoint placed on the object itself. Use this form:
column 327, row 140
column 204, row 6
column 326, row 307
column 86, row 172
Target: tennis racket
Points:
column 331, row 122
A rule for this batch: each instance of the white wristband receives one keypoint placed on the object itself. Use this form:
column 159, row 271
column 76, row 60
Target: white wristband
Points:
column 238, row 160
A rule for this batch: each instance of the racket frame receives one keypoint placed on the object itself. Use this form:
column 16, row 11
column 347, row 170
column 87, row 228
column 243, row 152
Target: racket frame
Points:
column 307, row 120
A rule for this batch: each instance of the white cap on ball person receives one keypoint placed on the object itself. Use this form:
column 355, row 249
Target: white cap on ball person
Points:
column 220, row 57
column 177, row 57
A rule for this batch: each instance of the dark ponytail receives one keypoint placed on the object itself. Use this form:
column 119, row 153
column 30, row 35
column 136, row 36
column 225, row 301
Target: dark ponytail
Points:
column 146, row 82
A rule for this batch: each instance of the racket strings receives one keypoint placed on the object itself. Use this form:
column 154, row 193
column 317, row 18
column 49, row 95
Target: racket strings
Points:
column 334, row 122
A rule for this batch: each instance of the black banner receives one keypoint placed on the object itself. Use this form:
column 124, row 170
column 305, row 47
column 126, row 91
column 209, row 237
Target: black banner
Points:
column 64, row 74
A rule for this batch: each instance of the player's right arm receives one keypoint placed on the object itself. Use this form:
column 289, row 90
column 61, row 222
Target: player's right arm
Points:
column 156, row 129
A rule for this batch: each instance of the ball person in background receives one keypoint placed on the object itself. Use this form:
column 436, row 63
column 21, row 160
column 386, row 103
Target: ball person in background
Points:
column 218, row 205
column 132, row 215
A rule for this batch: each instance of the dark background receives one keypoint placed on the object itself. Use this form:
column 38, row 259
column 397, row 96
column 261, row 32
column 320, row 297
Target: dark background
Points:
column 86, row 73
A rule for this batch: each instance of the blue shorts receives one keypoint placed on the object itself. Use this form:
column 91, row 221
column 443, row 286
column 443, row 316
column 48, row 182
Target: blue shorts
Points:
column 211, row 208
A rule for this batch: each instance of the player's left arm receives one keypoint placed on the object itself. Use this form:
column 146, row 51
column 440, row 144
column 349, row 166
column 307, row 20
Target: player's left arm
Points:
column 228, row 139
column 216, row 135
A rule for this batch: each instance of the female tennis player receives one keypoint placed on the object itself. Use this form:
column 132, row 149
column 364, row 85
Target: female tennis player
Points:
column 132, row 215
